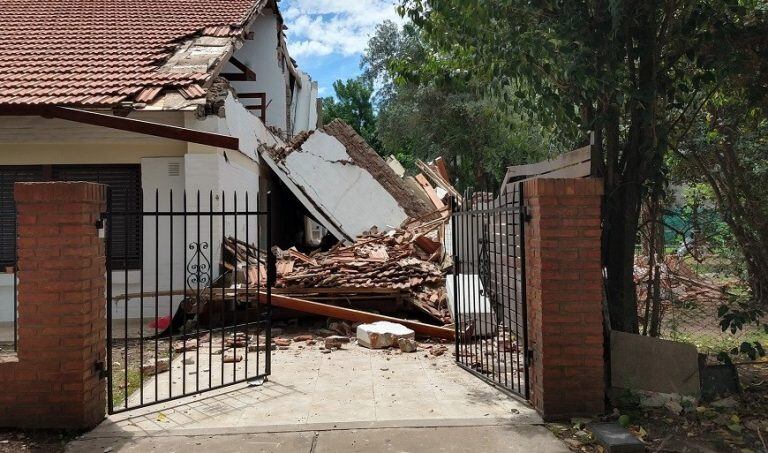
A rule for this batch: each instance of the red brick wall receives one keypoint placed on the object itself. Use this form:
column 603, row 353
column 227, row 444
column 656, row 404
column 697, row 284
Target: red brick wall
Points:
column 52, row 382
column 564, row 296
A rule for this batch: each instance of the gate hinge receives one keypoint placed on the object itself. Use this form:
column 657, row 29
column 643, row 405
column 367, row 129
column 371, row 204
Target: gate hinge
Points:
column 526, row 214
column 100, row 368
column 529, row 353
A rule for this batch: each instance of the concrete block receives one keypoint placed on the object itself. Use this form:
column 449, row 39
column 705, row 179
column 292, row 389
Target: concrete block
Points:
column 474, row 305
column 655, row 365
column 616, row 439
column 407, row 345
column 382, row 334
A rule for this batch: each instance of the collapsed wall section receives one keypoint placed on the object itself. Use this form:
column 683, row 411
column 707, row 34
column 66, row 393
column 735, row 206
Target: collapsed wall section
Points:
column 365, row 157
column 343, row 183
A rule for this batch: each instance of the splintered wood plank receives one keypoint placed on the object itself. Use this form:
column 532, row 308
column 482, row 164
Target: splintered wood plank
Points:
column 430, row 191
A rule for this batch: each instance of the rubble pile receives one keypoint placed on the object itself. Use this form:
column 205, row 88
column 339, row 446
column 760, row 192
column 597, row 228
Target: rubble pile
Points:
column 404, row 258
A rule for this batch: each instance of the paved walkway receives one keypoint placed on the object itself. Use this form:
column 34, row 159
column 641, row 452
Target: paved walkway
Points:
column 350, row 400
column 427, row 439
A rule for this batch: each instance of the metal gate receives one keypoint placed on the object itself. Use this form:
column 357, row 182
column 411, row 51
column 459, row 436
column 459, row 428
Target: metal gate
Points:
column 488, row 288
column 189, row 293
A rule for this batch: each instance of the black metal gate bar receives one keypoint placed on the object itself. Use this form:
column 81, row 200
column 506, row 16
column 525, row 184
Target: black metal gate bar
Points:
column 197, row 278
column 488, row 243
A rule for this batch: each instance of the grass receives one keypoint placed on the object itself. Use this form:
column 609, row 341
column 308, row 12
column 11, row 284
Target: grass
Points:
column 136, row 357
column 118, row 380
column 714, row 341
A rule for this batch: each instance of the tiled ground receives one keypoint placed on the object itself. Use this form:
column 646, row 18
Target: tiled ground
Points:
column 354, row 385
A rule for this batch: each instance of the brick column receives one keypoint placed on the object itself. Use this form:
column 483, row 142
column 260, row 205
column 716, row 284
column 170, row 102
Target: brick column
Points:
column 52, row 380
column 564, row 291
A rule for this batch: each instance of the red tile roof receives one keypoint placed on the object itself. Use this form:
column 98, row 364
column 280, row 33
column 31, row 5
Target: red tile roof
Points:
column 101, row 52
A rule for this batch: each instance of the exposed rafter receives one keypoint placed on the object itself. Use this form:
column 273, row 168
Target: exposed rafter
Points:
column 124, row 124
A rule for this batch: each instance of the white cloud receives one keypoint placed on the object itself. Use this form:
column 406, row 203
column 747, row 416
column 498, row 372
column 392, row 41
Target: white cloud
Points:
column 323, row 27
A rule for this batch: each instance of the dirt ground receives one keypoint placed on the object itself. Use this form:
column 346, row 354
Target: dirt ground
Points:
column 14, row 441
column 707, row 427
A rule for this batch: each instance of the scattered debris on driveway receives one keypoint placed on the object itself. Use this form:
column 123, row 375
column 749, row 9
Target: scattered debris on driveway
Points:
column 155, row 367
column 407, row 345
column 335, row 342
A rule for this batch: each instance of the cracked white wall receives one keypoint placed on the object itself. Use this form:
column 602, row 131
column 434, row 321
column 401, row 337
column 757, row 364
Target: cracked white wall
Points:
column 347, row 194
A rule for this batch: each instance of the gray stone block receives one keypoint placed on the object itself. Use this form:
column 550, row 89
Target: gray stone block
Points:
column 655, row 365
column 616, row 439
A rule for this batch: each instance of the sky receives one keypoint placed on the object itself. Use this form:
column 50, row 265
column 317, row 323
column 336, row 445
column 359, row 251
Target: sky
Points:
column 327, row 37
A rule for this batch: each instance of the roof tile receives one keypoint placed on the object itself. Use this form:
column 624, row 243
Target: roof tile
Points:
column 101, row 52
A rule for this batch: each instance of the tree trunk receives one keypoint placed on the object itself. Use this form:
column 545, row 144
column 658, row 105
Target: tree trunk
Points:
column 619, row 237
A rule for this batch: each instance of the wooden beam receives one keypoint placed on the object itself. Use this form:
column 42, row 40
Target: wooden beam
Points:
column 125, row 124
column 430, row 191
column 350, row 314
column 306, row 306
column 246, row 75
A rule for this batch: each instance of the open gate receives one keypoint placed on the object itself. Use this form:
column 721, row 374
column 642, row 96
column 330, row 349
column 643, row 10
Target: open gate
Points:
column 488, row 288
column 189, row 291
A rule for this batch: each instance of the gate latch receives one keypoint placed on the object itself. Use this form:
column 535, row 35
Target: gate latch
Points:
column 100, row 225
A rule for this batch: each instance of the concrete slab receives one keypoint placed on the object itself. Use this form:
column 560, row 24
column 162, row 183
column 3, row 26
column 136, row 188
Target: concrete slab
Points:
column 343, row 196
column 616, row 439
column 499, row 439
column 655, row 365
column 352, row 385
column 445, row 439
column 382, row 334
column 245, row 443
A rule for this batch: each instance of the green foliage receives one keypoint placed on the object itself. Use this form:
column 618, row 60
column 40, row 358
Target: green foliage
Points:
column 422, row 118
column 354, row 105
column 631, row 71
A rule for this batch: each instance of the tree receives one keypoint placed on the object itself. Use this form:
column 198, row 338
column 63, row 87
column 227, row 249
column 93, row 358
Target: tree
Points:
column 450, row 118
column 728, row 150
column 353, row 104
column 630, row 71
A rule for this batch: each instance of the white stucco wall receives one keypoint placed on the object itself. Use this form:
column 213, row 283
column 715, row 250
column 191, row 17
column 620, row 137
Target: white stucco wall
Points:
column 348, row 195
column 167, row 251
column 304, row 105
column 261, row 55
column 29, row 140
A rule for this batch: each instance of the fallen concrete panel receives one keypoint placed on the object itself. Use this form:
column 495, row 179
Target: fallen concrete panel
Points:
column 474, row 307
column 343, row 196
column 315, row 211
column 365, row 157
column 652, row 364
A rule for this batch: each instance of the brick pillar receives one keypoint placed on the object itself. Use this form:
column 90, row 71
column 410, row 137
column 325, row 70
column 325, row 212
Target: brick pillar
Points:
column 52, row 380
column 564, row 291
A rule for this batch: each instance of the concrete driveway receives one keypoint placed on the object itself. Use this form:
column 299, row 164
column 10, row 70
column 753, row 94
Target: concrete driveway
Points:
column 349, row 400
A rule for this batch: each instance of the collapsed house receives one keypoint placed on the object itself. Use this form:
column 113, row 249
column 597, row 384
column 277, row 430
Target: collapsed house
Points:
column 167, row 97
column 389, row 230
column 186, row 106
